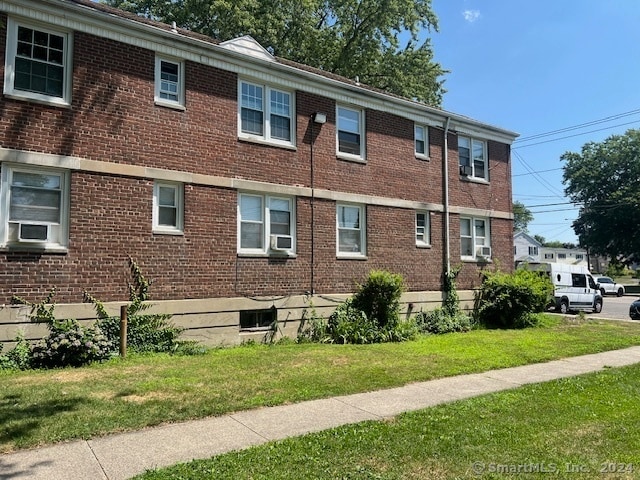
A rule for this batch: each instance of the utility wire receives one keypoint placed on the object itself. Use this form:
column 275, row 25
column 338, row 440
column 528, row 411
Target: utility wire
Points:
column 538, row 171
column 576, row 127
column 576, row 134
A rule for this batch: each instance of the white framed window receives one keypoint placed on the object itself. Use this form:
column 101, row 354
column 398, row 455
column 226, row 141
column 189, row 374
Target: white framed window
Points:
column 169, row 83
column 266, row 224
column 579, row 256
column 265, row 113
column 38, row 63
column 475, row 238
column 168, row 207
column 34, row 207
column 422, row 229
column 472, row 155
column 421, row 141
column 351, row 231
column 350, row 133
column 533, row 250
column 548, row 256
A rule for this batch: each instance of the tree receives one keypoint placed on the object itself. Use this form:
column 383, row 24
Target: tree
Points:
column 603, row 179
column 522, row 216
column 374, row 41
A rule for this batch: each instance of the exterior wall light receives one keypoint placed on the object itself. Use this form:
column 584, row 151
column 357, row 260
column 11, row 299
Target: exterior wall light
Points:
column 320, row 118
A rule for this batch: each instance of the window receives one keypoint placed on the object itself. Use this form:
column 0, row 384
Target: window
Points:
column 562, row 256
column 421, row 135
column 351, row 230
column 168, row 209
column 38, row 63
column 472, row 158
column 169, row 83
column 265, row 224
column 257, row 319
column 533, row 250
column 579, row 256
column 475, row 240
column 265, row 114
column 350, row 132
column 548, row 256
column 34, row 207
column 422, row 229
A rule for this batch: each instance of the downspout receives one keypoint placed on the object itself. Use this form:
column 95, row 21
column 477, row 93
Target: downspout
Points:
column 447, row 236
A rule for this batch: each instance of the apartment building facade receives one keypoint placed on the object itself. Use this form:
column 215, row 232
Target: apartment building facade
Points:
column 230, row 176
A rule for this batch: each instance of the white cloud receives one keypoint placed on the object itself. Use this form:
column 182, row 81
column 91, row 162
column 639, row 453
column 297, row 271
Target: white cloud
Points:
column 471, row 15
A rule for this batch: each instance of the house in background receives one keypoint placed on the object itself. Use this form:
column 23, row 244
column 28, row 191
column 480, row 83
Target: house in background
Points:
column 525, row 248
column 528, row 249
column 242, row 184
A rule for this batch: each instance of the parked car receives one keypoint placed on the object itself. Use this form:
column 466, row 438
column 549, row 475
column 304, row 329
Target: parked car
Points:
column 634, row 310
column 607, row 285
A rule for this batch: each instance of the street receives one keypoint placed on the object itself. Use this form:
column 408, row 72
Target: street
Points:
column 616, row 307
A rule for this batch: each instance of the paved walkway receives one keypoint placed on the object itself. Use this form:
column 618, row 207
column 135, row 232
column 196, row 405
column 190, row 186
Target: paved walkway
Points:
column 124, row 455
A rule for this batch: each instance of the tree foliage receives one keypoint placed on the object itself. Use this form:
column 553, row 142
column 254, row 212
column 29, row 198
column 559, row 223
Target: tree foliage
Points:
column 522, row 216
column 603, row 179
column 376, row 41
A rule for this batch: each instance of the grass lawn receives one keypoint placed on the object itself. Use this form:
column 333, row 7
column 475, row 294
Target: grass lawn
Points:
column 578, row 428
column 41, row 407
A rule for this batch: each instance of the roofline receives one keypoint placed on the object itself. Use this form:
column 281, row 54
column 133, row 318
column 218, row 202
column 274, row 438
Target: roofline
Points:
column 160, row 38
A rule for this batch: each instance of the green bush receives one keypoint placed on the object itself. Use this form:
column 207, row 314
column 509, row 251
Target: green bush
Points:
column 379, row 297
column 439, row 321
column 348, row 324
column 17, row 359
column 145, row 333
column 70, row 344
column 510, row 300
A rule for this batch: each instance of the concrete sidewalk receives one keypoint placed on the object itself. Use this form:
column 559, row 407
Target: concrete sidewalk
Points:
column 121, row 456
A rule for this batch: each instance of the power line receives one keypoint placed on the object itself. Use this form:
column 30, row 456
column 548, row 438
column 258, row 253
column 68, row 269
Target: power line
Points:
column 538, row 171
column 576, row 127
column 537, row 177
column 577, row 134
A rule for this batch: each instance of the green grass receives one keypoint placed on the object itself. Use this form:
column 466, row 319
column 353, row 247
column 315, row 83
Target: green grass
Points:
column 578, row 428
column 42, row 407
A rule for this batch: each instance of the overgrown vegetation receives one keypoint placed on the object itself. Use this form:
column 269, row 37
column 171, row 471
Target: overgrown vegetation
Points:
column 512, row 300
column 448, row 318
column 71, row 344
column 370, row 316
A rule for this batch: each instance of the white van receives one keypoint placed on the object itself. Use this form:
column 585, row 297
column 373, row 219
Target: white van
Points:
column 574, row 287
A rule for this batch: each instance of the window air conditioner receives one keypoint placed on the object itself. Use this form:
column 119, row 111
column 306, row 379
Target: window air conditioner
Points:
column 484, row 252
column 33, row 232
column 281, row 243
column 466, row 170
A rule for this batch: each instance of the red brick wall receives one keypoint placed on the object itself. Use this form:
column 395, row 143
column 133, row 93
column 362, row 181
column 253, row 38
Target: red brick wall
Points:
column 113, row 119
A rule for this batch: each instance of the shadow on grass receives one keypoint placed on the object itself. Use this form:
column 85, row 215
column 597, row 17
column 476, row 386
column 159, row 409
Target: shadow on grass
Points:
column 21, row 417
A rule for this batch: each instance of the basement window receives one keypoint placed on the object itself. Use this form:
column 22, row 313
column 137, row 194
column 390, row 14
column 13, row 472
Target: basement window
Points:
column 251, row 320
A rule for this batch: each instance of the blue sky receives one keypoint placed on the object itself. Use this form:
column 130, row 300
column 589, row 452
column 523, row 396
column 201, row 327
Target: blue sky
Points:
column 539, row 66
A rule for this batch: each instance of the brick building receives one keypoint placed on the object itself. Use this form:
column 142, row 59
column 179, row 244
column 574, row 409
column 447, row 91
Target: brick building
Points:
column 238, row 181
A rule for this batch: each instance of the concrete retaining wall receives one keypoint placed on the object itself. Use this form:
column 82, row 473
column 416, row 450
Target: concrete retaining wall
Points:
column 214, row 321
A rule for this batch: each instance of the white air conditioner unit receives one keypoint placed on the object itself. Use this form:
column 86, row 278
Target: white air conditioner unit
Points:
column 484, row 252
column 33, row 232
column 466, row 170
column 281, row 243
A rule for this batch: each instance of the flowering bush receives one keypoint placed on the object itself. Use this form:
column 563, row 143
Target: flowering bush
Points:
column 71, row 344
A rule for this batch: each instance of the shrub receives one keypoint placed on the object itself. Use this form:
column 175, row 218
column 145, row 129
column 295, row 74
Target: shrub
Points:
column 439, row 321
column 379, row 297
column 71, row 344
column 145, row 332
column 348, row 324
column 509, row 300
column 17, row 359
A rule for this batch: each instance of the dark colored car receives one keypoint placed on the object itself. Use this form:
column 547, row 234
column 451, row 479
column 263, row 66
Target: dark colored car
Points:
column 634, row 310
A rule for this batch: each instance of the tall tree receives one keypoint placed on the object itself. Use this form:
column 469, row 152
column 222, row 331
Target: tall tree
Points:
column 603, row 179
column 375, row 41
column 522, row 217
